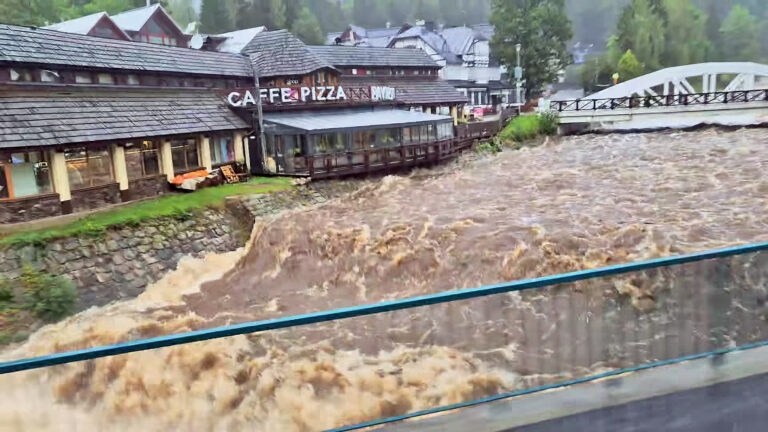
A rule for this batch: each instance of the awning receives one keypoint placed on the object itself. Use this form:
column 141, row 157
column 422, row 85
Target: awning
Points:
column 313, row 122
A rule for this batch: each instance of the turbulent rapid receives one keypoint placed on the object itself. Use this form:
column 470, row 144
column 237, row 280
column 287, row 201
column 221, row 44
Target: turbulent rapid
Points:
column 573, row 203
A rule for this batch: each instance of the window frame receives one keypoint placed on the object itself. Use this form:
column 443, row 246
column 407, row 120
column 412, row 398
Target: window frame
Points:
column 187, row 168
column 155, row 148
column 88, row 166
column 7, row 174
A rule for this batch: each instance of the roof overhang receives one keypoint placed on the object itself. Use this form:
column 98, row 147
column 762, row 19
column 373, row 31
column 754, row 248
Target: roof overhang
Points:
column 333, row 121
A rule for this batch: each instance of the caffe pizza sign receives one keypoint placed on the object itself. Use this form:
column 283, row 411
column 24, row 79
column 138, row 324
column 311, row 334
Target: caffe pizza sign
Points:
column 288, row 95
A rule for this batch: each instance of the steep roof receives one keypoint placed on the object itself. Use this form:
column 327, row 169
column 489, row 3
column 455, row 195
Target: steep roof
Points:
column 428, row 36
column 409, row 90
column 237, row 40
column 280, row 53
column 48, row 47
column 135, row 19
column 48, row 117
column 83, row 25
column 339, row 55
column 459, row 39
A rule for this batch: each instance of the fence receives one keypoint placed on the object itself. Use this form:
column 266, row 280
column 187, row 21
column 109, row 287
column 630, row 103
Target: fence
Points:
column 374, row 364
column 739, row 96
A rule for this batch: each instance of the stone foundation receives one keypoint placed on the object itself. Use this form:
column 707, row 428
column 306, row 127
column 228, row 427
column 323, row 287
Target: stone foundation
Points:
column 147, row 187
column 95, row 197
column 30, row 208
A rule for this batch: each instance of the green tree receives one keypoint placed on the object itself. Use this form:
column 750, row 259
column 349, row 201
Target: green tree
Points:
column 542, row 28
column 28, row 12
column 594, row 20
column 643, row 30
column 629, row 67
column 307, row 28
column 329, row 14
column 253, row 13
column 740, row 35
column 686, row 39
column 182, row 12
column 216, row 17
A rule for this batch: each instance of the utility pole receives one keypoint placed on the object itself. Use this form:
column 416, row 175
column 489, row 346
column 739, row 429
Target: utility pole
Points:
column 260, row 120
column 518, row 79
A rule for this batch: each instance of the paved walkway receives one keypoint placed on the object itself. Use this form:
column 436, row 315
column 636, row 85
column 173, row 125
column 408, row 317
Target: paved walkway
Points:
column 727, row 393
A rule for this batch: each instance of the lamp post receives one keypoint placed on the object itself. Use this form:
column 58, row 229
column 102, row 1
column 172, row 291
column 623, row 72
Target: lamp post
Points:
column 518, row 79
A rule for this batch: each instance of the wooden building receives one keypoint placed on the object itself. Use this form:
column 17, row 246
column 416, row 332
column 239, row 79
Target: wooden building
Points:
column 88, row 121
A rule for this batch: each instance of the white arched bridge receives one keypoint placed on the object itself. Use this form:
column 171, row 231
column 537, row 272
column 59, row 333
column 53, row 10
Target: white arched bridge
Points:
column 727, row 94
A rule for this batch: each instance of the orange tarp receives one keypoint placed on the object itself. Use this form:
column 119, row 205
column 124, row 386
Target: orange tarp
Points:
column 179, row 179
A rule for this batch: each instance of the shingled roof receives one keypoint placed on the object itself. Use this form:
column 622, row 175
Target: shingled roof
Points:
column 49, row 47
column 54, row 117
column 279, row 53
column 410, row 91
column 339, row 55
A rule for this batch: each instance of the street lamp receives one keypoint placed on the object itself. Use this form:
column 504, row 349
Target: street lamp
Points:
column 518, row 79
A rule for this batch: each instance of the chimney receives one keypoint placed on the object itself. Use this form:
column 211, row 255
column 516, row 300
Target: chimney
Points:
column 149, row 3
column 389, row 24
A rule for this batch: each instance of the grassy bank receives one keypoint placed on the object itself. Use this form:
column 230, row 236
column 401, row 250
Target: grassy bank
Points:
column 528, row 127
column 176, row 206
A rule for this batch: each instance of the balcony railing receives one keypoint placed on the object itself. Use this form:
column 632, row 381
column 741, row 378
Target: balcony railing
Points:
column 636, row 102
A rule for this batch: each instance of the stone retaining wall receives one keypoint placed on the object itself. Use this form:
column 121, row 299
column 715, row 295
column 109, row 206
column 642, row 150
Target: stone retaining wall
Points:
column 122, row 262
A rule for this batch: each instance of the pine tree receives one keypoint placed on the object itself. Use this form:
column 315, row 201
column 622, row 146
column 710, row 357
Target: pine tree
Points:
column 739, row 32
column 215, row 17
column 629, row 67
column 307, row 28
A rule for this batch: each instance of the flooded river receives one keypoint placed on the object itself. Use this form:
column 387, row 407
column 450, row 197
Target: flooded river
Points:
column 574, row 203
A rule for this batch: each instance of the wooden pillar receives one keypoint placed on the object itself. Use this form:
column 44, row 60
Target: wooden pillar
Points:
column 61, row 180
column 455, row 115
column 121, row 170
column 239, row 143
column 166, row 158
column 205, row 152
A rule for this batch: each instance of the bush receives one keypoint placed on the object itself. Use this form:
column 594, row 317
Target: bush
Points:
column 528, row 127
column 48, row 297
column 548, row 123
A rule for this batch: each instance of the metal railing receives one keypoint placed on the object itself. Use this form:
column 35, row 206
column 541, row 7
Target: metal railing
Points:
column 635, row 102
column 527, row 335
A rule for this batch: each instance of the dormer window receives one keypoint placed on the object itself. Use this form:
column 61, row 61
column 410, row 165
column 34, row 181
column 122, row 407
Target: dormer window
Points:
column 21, row 75
column 83, row 78
column 49, row 76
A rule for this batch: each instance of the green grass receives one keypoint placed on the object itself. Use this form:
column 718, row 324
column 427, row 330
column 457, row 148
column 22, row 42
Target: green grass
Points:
column 177, row 206
column 528, row 127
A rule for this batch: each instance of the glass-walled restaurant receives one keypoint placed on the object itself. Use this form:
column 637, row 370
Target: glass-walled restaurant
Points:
column 313, row 143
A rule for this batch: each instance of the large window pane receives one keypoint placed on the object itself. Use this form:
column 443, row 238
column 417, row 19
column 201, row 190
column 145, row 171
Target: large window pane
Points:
column 24, row 174
column 88, row 167
column 184, row 154
column 363, row 140
column 222, row 149
column 142, row 159
column 330, row 143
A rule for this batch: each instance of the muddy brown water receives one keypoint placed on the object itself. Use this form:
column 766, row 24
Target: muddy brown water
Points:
column 574, row 203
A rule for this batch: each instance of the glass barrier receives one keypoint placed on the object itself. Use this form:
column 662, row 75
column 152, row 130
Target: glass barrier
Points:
column 349, row 371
